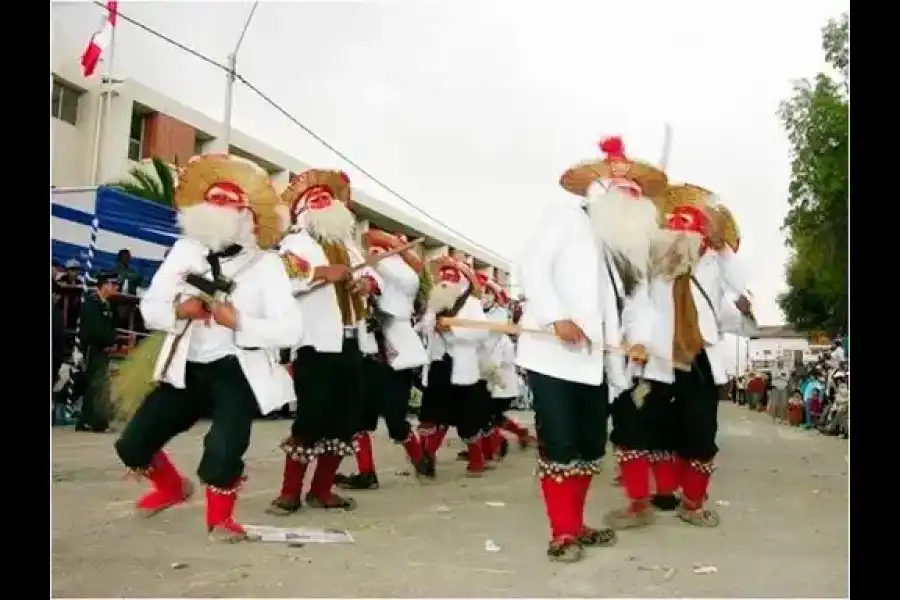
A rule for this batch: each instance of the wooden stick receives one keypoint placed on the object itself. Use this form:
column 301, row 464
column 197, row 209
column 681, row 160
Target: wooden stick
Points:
column 369, row 262
column 510, row 329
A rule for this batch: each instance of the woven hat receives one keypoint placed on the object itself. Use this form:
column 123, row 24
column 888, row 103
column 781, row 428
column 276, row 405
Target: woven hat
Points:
column 448, row 262
column 683, row 194
column 209, row 174
column 727, row 225
column 336, row 181
column 687, row 194
column 615, row 165
column 380, row 239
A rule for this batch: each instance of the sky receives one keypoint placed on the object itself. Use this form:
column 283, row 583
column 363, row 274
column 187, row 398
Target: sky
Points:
column 473, row 109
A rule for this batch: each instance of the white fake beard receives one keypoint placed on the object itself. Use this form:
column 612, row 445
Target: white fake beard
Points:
column 675, row 253
column 334, row 223
column 217, row 227
column 624, row 224
column 444, row 294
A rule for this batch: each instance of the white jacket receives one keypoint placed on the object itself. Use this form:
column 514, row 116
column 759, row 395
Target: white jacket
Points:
column 401, row 284
column 497, row 356
column 324, row 326
column 564, row 276
column 268, row 317
column 722, row 317
column 461, row 343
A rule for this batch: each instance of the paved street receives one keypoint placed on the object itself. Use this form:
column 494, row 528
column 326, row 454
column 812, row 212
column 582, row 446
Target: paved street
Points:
column 782, row 494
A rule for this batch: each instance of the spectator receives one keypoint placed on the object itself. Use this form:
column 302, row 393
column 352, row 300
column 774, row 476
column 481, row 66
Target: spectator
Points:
column 69, row 286
column 780, row 381
column 128, row 279
column 98, row 336
column 756, row 391
column 837, row 352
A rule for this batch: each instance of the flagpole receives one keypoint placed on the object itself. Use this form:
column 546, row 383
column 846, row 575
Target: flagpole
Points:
column 106, row 86
column 95, row 160
column 107, row 114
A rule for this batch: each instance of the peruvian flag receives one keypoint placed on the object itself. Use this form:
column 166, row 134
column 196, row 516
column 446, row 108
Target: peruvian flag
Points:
column 100, row 40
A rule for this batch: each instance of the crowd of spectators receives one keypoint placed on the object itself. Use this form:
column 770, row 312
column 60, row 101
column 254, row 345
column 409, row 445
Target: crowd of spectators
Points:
column 814, row 395
column 67, row 296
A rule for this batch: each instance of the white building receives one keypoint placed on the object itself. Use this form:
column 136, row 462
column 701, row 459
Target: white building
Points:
column 771, row 344
column 143, row 123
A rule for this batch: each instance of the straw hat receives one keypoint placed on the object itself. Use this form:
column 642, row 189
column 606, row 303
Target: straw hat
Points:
column 727, row 225
column 448, row 262
column 693, row 195
column 336, row 181
column 231, row 174
column 579, row 178
column 684, row 194
column 379, row 239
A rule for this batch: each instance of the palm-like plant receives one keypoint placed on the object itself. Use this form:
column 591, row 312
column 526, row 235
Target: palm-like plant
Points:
column 156, row 187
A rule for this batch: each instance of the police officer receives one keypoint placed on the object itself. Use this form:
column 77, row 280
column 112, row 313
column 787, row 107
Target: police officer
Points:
column 97, row 336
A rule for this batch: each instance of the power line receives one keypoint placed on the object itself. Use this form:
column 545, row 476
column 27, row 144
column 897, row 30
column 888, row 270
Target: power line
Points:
column 266, row 98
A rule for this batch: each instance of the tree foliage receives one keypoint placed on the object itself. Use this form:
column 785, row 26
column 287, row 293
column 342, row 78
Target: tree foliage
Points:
column 816, row 119
column 158, row 186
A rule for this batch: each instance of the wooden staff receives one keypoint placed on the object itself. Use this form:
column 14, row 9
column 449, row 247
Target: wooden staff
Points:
column 369, row 262
column 510, row 329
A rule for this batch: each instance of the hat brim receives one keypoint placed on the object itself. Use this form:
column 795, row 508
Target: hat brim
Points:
column 203, row 172
column 379, row 239
column 683, row 194
column 579, row 178
column 336, row 181
column 730, row 231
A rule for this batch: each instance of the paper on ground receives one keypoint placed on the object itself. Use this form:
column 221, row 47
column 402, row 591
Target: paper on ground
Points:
column 300, row 536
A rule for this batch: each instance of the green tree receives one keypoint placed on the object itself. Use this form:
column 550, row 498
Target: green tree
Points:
column 158, row 186
column 816, row 119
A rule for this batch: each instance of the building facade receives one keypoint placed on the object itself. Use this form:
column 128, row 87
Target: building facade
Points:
column 89, row 148
column 770, row 346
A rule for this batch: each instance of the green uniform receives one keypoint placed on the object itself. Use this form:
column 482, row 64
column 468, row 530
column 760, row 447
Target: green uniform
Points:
column 97, row 332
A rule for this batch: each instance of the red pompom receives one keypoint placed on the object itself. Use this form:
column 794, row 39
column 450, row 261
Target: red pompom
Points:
column 613, row 147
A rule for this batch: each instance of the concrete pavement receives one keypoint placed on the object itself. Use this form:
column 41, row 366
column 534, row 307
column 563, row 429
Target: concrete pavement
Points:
column 782, row 494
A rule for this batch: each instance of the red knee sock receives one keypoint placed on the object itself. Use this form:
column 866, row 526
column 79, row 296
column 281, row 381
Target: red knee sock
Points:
column 434, row 441
column 583, row 486
column 635, row 473
column 365, row 458
column 513, row 427
column 476, row 457
column 292, row 480
column 665, row 475
column 696, row 484
column 560, row 500
column 323, row 477
column 413, row 446
column 487, row 447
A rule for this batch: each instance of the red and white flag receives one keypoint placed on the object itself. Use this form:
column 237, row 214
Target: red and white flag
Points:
column 100, row 40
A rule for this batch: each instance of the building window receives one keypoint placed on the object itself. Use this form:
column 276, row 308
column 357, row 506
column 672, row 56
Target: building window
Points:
column 64, row 103
column 136, row 137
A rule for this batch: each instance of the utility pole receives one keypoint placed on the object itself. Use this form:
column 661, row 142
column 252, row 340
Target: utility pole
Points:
column 230, row 79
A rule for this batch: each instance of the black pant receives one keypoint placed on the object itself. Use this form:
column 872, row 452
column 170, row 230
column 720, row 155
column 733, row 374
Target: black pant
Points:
column 168, row 411
column 570, row 418
column 651, row 427
column 485, row 405
column 330, row 395
column 499, row 406
column 445, row 404
column 387, row 396
column 688, row 423
column 94, row 407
